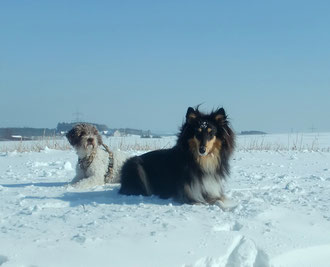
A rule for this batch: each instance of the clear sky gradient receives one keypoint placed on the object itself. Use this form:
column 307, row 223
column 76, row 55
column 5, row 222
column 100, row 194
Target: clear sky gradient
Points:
column 141, row 64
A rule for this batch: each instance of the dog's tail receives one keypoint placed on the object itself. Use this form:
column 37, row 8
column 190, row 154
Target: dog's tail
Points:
column 133, row 178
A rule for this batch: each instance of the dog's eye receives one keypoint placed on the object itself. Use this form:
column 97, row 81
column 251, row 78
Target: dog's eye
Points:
column 210, row 136
column 212, row 133
column 198, row 134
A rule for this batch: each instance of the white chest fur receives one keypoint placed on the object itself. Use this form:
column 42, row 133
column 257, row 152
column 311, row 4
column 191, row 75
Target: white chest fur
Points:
column 204, row 189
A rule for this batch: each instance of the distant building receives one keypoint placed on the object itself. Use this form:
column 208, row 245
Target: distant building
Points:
column 117, row 133
column 25, row 133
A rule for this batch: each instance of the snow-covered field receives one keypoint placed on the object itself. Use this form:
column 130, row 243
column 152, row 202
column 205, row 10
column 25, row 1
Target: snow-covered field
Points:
column 280, row 182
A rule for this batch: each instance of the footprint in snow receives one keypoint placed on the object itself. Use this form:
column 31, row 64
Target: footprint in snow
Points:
column 293, row 187
column 79, row 238
column 236, row 226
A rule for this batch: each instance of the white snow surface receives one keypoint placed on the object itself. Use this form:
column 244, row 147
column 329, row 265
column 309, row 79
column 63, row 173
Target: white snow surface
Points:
column 282, row 217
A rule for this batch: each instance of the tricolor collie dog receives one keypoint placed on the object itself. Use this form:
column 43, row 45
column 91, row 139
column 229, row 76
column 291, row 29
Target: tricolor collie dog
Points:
column 193, row 171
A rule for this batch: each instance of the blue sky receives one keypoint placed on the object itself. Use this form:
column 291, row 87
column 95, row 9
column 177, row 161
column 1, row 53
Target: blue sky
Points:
column 141, row 64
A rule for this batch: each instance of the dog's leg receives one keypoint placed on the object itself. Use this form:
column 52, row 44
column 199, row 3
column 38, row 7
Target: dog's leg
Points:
column 80, row 175
column 89, row 182
column 226, row 203
column 192, row 194
column 134, row 180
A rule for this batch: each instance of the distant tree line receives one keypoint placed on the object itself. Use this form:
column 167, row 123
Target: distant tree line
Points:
column 28, row 133
column 9, row 133
column 65, row 127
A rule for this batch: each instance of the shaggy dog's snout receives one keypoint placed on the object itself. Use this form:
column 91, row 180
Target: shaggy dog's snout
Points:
column 90, row 140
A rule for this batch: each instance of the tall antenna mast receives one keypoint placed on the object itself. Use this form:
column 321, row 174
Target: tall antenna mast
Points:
column 78, row 116
column 312, row 128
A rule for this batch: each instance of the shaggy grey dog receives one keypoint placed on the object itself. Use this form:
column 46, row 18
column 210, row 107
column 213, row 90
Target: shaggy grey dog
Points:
column 95, row 161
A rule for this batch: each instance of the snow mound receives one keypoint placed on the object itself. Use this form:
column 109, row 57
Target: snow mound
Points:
column 67, row 166
column 242, row 252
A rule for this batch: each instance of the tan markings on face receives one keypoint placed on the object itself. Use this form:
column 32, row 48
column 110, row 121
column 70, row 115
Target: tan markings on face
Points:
column 209, row 130
column 210, row 163
column 200, row 130
column 217, row 146
column 213, row 146
column 194, row 145
column 209, row 145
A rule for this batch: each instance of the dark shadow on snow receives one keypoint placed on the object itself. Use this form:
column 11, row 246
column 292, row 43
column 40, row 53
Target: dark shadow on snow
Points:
column 108, row 196
column 54, row 184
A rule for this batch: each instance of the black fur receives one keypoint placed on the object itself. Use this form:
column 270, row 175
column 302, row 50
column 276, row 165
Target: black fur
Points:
column 174, row 172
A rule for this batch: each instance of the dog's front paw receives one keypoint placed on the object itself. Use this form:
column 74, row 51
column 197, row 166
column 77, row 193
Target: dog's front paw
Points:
column 226, row 204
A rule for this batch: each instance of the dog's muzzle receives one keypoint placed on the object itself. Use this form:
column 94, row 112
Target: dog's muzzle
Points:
column 90, row 142
column 202, row 150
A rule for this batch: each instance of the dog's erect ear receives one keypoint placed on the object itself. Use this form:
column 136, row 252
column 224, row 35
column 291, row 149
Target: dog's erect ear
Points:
column 72, row 137
column 220, row 115
column 191, row 115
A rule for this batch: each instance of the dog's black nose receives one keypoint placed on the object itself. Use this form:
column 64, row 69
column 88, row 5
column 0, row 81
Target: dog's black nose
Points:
column 90, row 140
column 202, row 149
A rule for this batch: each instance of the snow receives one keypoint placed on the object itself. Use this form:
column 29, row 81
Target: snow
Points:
column 282, row 217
